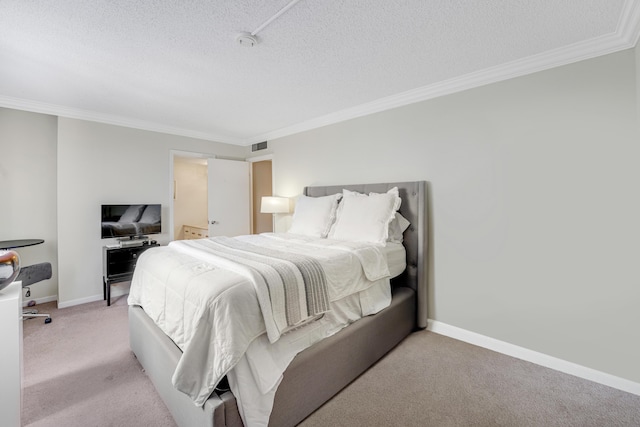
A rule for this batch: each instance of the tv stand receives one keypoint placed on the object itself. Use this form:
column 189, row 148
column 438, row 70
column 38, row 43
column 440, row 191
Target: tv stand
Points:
column 140, row 237
column 119, row 263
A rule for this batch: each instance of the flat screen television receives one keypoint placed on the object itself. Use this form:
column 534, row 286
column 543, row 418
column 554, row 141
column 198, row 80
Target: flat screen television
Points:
column 131, row 221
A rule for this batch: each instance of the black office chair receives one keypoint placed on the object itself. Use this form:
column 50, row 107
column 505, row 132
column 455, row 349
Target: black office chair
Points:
column 33, row 274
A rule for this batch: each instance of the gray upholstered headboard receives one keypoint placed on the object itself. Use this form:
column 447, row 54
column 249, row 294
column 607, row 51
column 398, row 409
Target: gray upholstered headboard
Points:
column 414, row 209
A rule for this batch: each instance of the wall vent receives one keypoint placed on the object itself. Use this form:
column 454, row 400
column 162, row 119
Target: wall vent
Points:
column 259, row 146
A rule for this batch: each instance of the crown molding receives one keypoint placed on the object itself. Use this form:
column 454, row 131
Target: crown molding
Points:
column 629, row 24
column 621, row 40
column 92, row 116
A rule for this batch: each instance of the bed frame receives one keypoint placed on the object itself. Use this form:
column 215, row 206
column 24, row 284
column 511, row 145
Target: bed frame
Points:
column 321, row 371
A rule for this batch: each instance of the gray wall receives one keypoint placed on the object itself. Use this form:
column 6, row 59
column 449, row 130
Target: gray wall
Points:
column 535, row 207
column 28, row 197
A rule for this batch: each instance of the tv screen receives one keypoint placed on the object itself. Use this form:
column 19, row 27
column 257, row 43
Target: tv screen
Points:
column 131, row 220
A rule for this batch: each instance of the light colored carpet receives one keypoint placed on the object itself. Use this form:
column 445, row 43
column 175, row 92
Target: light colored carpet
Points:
column 433, row 380
column 79, row 371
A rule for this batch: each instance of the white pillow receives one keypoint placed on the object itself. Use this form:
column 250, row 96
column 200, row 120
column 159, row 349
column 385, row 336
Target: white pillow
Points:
column 396, row 194
column 397, row 227
column 345, row 193
column 366, row 218
column 313, row 216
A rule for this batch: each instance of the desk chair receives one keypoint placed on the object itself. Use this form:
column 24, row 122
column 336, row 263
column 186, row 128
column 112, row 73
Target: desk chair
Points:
column 33, row 274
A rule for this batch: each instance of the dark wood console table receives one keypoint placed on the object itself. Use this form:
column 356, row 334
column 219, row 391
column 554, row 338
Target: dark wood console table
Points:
column 118, row 265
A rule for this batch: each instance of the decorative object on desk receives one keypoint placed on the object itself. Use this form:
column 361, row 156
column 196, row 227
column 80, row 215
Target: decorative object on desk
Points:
column 28, row 276
column 9, row 267
column 273, row 205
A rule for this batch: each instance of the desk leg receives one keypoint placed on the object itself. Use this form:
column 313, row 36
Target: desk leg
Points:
column 108, row 292
column 104, row 288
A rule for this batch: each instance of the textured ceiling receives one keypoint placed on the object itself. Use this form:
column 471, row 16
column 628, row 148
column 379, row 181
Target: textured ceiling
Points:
column 174, row 65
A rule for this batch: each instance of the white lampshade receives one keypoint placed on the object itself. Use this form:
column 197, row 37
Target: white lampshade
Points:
column 272, row 204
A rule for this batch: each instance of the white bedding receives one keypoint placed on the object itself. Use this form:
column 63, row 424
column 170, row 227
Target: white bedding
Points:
column 255, row 378
column 213, row 313
column 396, row 256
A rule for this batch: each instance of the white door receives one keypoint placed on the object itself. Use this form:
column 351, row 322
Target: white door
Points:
column 229, row 197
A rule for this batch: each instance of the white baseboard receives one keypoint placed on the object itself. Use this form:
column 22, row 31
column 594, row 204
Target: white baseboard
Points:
column 534, row 357
column 79, row 301
column 115, row 292
column 42, row 300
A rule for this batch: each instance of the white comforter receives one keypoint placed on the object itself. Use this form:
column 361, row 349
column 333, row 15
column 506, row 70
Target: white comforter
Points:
column 213, row 315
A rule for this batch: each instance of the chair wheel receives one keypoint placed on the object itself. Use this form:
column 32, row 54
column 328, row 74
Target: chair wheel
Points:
column 47, row 320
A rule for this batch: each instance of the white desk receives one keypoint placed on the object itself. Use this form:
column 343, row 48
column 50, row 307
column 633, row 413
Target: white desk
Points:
column 11, row 354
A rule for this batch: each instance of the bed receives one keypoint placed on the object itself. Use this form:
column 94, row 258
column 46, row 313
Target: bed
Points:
column 320, row 371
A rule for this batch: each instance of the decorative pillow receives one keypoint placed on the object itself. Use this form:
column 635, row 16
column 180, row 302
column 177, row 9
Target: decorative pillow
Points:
column 397, row 227
column 396, row 194
column 366, row 218
column 132, row 214
column 313, row 216
column 151, row 214
column 345, row 193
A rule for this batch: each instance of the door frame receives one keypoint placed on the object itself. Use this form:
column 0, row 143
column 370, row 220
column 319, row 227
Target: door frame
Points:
column 171, row 184
column 253, row 160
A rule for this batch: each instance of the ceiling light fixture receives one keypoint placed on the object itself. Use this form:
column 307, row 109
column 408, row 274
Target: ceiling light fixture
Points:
column 249, row 39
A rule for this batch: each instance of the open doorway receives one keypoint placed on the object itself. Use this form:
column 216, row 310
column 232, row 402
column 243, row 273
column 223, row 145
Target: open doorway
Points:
column 190, row 197
column 189, row 213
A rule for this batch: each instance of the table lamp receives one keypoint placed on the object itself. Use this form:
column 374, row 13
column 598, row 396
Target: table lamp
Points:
column 274, row 205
